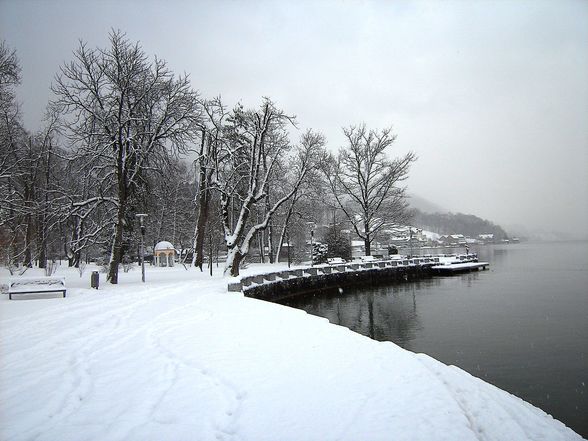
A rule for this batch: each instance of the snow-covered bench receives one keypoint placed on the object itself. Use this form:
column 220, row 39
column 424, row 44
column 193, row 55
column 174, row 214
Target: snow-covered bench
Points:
column 335, row 261
column 27, row 287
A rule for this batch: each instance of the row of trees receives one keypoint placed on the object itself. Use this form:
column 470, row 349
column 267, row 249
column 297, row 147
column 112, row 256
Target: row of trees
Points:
column 123, row 134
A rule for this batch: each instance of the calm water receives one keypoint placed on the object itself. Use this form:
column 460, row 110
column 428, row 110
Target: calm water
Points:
column 522, row 325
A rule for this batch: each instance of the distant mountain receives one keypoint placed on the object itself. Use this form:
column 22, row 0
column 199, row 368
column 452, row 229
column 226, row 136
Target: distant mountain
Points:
column 457, row 223
column 424, row 205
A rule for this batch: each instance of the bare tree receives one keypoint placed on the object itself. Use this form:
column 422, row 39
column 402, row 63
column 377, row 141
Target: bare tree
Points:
column 300, row 205
column 210, row 155
column 365, row 183
column 12, row 139
column 125, row 116
column 242, row 180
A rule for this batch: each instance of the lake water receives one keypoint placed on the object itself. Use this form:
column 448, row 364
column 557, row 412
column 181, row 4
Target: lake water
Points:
column 522, row 325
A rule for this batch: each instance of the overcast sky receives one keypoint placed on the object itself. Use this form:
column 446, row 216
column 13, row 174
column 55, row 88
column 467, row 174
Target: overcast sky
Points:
column 491, row 95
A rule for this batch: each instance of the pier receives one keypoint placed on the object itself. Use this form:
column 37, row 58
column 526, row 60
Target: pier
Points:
column 452, row 264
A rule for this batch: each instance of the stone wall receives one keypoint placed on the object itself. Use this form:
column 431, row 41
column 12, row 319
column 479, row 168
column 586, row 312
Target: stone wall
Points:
column 283, row 284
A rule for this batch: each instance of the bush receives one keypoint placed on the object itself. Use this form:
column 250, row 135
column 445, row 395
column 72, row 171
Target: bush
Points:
column 338, row 245
column 50, row 268
column 127, row 263
column 319, row 253
column 103, row 263
column 81, row 268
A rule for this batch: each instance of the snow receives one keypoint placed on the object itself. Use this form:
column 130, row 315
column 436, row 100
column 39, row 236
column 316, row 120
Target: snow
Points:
column 180, row 358
column 164, row 245
column 430, row 235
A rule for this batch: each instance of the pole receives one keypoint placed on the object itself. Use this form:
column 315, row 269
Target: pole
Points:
column 311, row 247
column 288, row 240
column 410, row 229
column 141, row 216
column 142, row 252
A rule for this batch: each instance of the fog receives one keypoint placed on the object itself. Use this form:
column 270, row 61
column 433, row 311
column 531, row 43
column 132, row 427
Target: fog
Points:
column 492, row 96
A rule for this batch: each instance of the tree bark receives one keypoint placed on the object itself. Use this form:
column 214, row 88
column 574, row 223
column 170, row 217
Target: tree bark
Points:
column 116, row 253
column 233, row 263
column 368, row 246
column 204, row 177
column 200, row 231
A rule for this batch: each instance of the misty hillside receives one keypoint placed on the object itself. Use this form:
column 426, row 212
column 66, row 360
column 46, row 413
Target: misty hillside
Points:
column 457, row 223
column 433, row 217
column 424, row 205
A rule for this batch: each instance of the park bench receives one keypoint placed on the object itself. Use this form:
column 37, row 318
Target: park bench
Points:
column 33, row 287
column 335, row 261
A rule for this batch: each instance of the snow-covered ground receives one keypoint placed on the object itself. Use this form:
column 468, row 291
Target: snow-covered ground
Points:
column 180, row 358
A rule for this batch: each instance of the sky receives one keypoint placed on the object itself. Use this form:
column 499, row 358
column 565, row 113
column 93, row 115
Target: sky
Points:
column 492, row 96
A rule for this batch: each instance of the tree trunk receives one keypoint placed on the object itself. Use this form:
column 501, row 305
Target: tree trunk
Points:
column 234, row 258
column 200, row 231
column 43, row 245
column 28, row 258
column 285, row 229
column 29, row 196
column 210, row 254
column 270, row 233
column 203, row 203
column 368, row 248
column 116, row 252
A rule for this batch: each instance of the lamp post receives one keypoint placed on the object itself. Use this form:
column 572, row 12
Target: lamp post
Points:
column 410, row 229
column 311, row 224
column 141, row 216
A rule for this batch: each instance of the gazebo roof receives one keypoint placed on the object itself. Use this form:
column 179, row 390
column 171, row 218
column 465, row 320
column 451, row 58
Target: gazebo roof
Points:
column 164, row 245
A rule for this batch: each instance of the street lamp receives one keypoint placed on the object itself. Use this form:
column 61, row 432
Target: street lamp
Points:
column 141, row 216
column 410, row 240
column 311, row 225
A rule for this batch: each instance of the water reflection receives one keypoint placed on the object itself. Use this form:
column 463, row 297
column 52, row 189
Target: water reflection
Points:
column 384, row 313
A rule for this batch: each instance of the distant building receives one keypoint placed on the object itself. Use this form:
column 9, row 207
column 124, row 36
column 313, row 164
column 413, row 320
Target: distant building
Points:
column 486, row 238
column 357, row 249
column 453, row 239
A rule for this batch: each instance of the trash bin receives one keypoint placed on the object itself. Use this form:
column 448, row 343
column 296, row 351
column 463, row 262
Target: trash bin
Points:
column 94, row 279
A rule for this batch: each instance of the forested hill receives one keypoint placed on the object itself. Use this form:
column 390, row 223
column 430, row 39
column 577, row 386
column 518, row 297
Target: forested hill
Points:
column 457, row 223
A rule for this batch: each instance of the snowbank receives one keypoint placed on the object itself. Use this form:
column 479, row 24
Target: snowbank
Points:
column 179, row 358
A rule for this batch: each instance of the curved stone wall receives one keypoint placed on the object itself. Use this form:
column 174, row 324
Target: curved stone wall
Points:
column 282, row 284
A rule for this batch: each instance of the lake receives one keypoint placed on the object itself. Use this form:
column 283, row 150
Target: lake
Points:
column 522, row 325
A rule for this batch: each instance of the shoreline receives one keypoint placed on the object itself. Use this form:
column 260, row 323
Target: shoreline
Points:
column 228, row 366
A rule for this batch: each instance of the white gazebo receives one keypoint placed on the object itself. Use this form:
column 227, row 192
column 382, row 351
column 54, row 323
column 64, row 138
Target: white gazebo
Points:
column 164, row 254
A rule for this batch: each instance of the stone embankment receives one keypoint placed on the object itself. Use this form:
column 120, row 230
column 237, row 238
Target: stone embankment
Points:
column 279, row 285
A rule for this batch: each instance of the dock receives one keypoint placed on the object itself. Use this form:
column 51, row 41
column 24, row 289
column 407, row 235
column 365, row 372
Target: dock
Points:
column 453, row 268
column 458, row 263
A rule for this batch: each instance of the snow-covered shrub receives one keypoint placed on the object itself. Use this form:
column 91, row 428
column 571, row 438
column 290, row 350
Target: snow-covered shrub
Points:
column 127, row 263
column 102, row 262
column 50, row 268
column 82, row 268
column 319, row 253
